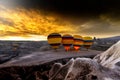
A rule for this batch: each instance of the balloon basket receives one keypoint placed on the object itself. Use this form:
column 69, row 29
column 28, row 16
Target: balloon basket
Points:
column 76, row 48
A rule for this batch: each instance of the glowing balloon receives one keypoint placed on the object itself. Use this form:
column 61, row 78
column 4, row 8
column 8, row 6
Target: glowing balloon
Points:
column 78, row 42
column 88, row 41
column 67, row 41
column 54, row 39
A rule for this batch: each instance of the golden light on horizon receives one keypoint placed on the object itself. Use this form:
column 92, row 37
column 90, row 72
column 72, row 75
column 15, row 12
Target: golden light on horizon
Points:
column 19, row 38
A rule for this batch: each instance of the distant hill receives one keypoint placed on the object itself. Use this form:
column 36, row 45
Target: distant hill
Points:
column 115, row 38
column 104, row 43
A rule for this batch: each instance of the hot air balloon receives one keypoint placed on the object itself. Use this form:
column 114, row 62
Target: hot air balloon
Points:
column 15, row 47
column 54, row 39
column 78, row 42
column 67, row 41
column 88, row 41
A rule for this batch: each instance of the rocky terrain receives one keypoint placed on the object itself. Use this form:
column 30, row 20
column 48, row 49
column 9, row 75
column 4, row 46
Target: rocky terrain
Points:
column 11, row 49
column 25, row 47
column 12, row 52
column 36, row 63
column 36, row 66
column 103, row 44
column 104, row 66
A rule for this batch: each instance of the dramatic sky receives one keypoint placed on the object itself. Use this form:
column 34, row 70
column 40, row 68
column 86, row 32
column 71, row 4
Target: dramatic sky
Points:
column 35, row 19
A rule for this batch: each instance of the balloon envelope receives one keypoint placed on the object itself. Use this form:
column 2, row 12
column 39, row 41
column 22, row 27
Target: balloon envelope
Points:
column 78, row 42
column 88, row 41
column 54, row 39
column 67, row 41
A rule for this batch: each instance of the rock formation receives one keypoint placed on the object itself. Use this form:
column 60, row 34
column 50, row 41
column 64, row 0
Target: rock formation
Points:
column 104, row 66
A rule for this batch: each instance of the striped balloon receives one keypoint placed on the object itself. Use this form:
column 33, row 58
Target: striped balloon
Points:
column 67, row 41
column 78, row 42
column 88, row 41
column 54, row 39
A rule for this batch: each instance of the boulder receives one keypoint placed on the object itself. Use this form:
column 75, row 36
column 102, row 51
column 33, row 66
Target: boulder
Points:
column 104, row 66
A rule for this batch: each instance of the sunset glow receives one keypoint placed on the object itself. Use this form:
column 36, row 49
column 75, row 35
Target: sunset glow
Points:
column 20, row 38
column 20, row 24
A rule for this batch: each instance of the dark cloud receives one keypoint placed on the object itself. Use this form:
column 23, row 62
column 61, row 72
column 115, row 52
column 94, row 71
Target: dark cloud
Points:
column 88, row 16
column 101, row 26
column 89, row 8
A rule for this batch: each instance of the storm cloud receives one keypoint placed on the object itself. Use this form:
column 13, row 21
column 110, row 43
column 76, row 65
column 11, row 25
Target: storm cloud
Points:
column 41, row 17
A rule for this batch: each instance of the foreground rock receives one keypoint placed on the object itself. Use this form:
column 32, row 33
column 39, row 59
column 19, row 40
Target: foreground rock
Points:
column 104, row 66
column 39, row 58
column 36, row 66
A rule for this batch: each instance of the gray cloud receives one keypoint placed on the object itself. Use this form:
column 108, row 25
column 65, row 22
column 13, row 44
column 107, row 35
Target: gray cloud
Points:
column 105, row 24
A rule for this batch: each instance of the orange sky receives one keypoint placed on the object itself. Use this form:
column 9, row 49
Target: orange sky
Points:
column 23, row 24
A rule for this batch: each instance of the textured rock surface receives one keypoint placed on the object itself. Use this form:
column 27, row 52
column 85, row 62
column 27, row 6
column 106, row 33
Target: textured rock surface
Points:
column 104, row 66
column 36, row 66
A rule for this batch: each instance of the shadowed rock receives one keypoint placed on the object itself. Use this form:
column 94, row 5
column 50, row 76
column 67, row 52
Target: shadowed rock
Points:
column 104, row 66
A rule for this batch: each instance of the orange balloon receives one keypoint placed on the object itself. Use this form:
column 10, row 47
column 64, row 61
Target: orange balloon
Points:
column 88, row 41
column 67, row 41
column 54, row 39
column 78, row 42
